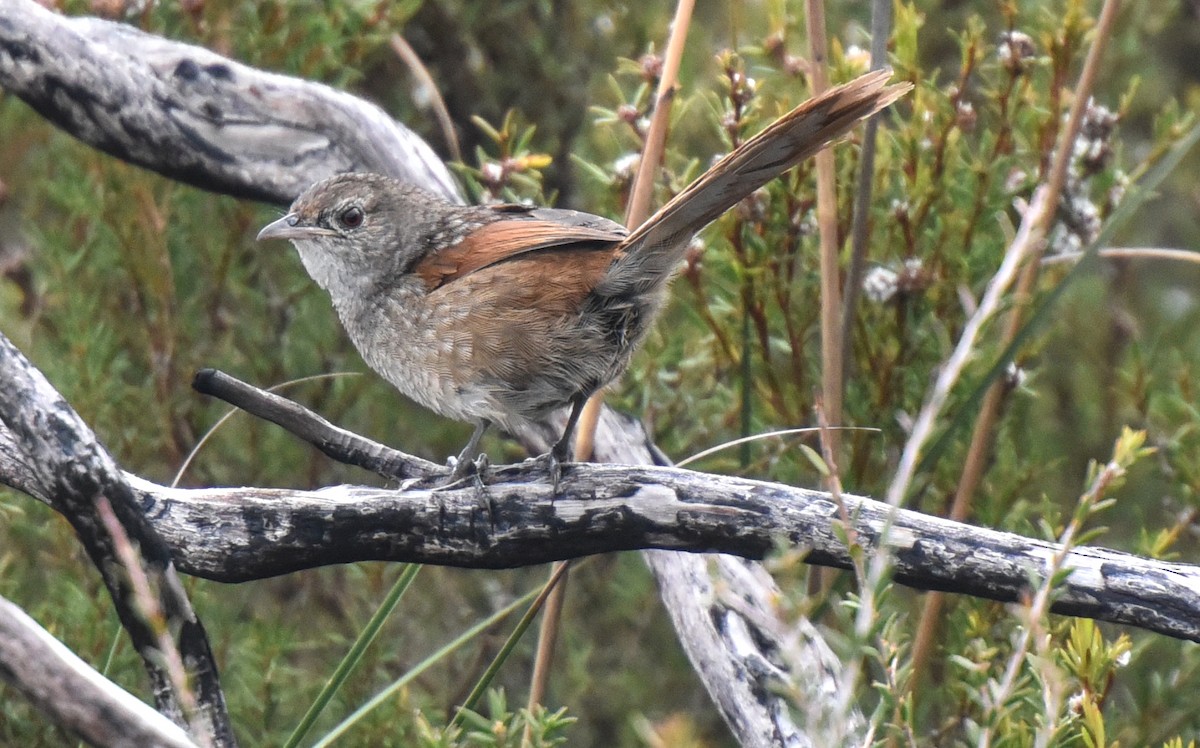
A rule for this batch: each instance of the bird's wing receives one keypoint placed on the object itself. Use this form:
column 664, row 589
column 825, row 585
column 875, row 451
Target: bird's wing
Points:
column 517, row 233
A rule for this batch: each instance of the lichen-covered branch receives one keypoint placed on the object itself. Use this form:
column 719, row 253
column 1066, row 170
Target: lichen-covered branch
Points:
column 513, row 518
column 237, row 534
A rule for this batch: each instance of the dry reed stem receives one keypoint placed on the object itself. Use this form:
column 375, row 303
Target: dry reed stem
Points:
column 637, row 212
column 409, row 57
column 827, row 229
column 981, row 437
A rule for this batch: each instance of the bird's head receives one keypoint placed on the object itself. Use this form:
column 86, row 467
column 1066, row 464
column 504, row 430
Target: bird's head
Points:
column 356, row 230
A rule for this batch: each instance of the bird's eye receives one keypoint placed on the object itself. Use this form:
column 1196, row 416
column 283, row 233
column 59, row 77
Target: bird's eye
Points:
column 351, row 217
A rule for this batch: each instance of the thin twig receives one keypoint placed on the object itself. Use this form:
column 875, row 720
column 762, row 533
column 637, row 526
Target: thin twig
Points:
column 1039, row 606
column 409, row 57
column 1128, row 253
column 1031, row 237
column 145, row 602
column 1005, row 276
column 765, row 435
column 881, row 29
column 1021, row 248
column 834, row 482
column 638, row 209
column 981, row 438
column 554, row 595
column 827, row 228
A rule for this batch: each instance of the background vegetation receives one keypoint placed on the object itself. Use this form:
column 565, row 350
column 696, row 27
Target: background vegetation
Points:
column 119, row 284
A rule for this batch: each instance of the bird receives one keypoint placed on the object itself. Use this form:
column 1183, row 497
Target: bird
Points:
column 502, row 314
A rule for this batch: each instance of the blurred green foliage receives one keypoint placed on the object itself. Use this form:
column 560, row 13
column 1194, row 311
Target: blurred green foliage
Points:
column 123, row 284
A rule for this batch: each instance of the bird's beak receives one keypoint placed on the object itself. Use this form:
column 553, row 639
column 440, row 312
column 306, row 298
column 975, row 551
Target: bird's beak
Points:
column 291, row 226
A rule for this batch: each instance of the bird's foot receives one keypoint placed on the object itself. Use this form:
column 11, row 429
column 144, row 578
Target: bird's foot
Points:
column 552, row 463
column 461, row 469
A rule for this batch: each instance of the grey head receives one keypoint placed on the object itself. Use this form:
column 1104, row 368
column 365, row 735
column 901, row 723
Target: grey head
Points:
column 356, row 232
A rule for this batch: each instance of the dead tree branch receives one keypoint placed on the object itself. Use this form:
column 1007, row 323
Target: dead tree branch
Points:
column 196, row 116
column 47, row 448
column 239, row 534
column 74, row 695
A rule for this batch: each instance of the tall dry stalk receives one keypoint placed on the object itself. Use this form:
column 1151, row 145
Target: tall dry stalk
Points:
column 1039, row 221
column 637, row 212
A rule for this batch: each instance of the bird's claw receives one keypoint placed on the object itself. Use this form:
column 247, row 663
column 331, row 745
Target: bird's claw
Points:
column 461, row 469
column 552, row 464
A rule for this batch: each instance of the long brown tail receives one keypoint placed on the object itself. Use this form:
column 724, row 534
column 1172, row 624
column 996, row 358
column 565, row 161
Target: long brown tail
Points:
column 655, row 248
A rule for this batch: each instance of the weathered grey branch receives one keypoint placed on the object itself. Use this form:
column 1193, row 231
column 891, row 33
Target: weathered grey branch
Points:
column 75, row 696
column 238, row 534
column 195, row 116
column 58, row 457
column 514, row 519
column 707, row 623
column 235, row 534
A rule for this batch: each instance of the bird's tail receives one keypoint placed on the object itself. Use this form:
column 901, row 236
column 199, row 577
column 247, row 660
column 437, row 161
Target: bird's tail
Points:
column 654, row 249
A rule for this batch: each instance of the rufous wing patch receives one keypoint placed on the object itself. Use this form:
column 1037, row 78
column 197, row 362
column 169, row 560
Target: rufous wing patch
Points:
column 502, row 240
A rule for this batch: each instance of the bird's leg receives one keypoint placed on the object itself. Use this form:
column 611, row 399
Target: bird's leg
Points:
column 561, row 451
column 466, row 462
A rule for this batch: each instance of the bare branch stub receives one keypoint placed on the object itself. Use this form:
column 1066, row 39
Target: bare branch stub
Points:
column 339, row 444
